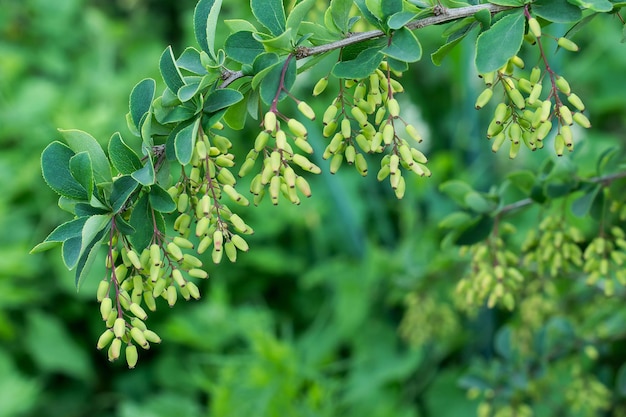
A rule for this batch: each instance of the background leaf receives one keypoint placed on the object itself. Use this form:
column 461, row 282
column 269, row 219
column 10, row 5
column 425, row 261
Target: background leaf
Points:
column 270, row 13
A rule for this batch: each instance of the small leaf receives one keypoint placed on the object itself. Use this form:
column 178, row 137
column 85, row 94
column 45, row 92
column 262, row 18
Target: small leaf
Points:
column 361, row 4
column 205, row 18
column 63, row 232
column 443, row 51
column 557, row 11
column 513, row 3
column 503, row 342
column 190, row 60
column 476, row 232
column 404, row 46
column 620, row 381
column 145, row 176
column 582, row 205
column 221, row 99
column 141, row 99
column 390, row 7
column 455, row 220
column 184, row 142
column 605, row 159
column 71, row 251
column 272, row 81
column 298, row 13
column 243, row 47
column 456, row 190
column 271, row 14
column 123, row 158
column 141, row 221
column 360, row 67
column 92, row 228
column 169, row 71
column 55, row 160
column 80, row 141
column 522, row 180
column 122, row 188
column 340, row 13
column 88, row 257
column 235, row 116
column 479, row 203
column 82, row 171
column 398, row 20
column 160, row 200
column 500, row 42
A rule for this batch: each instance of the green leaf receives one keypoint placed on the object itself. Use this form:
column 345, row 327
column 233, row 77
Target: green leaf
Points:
column 190, row 60
column 80, row 141
column 235, row 116
column 170, row 72
column 390, row 7
column 240, row 25
column 398, row 20
column 82, row 171
column 160, row 200
column 63, row 232
column 476, row 232
column 443, row 51
column 620, row 381
column 297, row 14
column 145, row 176
column 404, row 46
column 55, row 161
column 122, row 188
column 141, row 221
column 88, row 257
column 582, row 205
column 205, row 18
column 455, row 220
column 123, row 226
column 221, row 99
column 522, row 180
column 478, row 202
column 456, row 190
column 71, row 251
column 503, row 344
column 185, row 141
column 271, row 82
column 606, row 160
column 243, row 47
column 141, row 99
column 484, row 18
column 558, row 11
column 270, row 13
column 513, row 3
column 375, row 7
column 500, row 42
column 281, row 44
column 340, row 13
column 123, row 158
column 360, row 67
column 92, row 228
column 366, row 12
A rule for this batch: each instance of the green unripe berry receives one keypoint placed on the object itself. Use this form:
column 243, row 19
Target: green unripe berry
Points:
column 105, row 338
column 138, row 336
column 320, row 86
column 581, row 120
column 535, row 27
column 138, row 311
column 115, row 349
column 269, row 121
column 306, row 110
column 567, row 44
column 119, row 327
column 483, row 98
column 132, row 356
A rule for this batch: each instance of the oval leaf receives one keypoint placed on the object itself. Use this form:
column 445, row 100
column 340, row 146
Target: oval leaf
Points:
column 221, row 98
column 205, row 18
column 169, row 71
column 55, row 167
column 123, row 158
column 404, row 46
column 500, row 42
column 141, row 99
column 80, row 141
column 271, row 14
column 184, row 142
column 243, row 47
column 160, row 200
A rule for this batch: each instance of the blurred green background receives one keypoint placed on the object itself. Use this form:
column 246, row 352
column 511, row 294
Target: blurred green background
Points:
column 307, row 323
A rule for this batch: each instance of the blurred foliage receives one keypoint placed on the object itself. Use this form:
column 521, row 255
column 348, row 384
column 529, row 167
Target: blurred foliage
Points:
column 346, row 304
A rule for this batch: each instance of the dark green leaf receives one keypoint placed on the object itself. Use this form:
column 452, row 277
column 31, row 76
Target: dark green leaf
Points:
column 205, row 18
column 270, row 13
column 556, row 189
column 391, row 7
column 508, row 2
column 123, row 226
column 500, row 42
column 503, row 342
column 141, row 221
column 272, row 80
column 478, row 231
column 243, row 47
column 145, row 176
column 404, row 46
column 184, row 142
column 484, row 18
column 190, row 61
column 92, row 228
column 169, row 71
column 558, row 11
column 281, row 44
column 141, row 99
column 123, row 158
column 84, row 209
column 235, row 116
column 160, row 200
column 477, row 202
column 189, row 91
column 55, row 161
column 63, row 232
column 166, row 115
column 620, row 381
column 360, row 67
column 82, row 171
column 221, row 99
column 80, row 141
column 605, row 159
column 582, row 205
column 123, row 187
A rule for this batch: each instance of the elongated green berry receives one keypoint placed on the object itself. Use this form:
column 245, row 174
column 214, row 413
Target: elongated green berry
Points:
column 138, row 311
column 269, row 121
column 581, row 120
column 567, row 44
column 320, row 86
column 535, row 27
column 115, row 349
column 306, row 110
column 563, row 85
column 483, row 98
column 105, row 338
column 575, row 101
column 139, row 337
column 119, row 327
column 132, row 356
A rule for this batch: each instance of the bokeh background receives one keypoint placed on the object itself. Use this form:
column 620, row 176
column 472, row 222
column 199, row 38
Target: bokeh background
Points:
column 315, row 319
